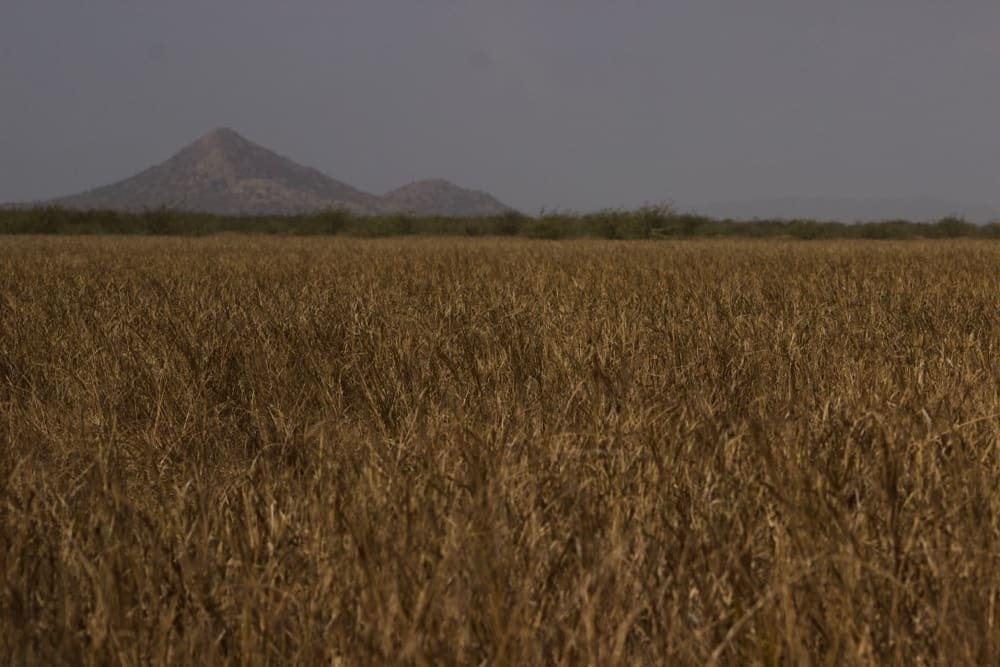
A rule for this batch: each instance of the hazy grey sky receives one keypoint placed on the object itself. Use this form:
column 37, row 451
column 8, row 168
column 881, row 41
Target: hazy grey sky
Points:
column 575, row 104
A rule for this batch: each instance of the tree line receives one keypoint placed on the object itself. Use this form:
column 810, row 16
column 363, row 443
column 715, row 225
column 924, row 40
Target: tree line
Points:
column 648, row 222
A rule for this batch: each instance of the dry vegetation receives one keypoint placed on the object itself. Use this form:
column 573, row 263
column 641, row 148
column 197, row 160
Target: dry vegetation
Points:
column 236, row 450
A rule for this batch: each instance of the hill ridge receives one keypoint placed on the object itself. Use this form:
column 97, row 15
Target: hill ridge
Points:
column 223, row 172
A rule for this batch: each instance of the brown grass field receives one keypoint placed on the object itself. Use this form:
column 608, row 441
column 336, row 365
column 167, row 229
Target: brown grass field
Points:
column 254, row 450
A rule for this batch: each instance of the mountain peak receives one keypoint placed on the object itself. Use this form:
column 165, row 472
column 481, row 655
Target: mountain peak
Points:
column 222, row 140
column 223, row 137
column 223, row 133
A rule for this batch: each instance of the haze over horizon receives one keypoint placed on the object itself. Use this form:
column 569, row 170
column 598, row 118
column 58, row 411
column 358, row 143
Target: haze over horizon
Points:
column 580, row 105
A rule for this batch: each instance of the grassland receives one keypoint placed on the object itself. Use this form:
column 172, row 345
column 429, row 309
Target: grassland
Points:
column 335, row 451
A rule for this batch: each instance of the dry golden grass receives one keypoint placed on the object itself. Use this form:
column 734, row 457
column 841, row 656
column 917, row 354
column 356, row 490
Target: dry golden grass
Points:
column 268, row 451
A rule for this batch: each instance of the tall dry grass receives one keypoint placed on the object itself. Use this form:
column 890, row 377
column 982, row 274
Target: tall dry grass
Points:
column 259, row 451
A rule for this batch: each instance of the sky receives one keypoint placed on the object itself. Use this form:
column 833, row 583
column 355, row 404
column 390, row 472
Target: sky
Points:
column 556, row 104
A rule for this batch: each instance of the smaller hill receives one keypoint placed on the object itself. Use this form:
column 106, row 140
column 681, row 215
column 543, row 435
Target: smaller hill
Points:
column 441, row 197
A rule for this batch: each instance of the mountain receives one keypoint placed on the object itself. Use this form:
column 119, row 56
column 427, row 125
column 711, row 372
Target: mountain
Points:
column 439, row 197
column 226, row 174
column 916, row 209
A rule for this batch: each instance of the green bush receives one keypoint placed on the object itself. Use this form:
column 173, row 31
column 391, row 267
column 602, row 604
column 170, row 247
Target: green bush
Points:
column 157, row 220
column 953, row 227
column 551, row 226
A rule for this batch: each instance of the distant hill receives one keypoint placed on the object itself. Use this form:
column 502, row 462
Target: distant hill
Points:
column 439, row 197
column 917, row 209
column 225, row 173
